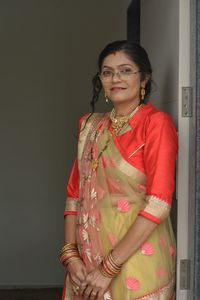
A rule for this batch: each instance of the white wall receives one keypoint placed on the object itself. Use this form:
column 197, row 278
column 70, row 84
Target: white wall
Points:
column 165, row 33
column 48, row 56
column 159, row 36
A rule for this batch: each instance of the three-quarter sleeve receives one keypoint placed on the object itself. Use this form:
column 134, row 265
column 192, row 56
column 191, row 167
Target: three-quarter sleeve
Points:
column 160, row 151
column 72, row 187
column 72, row 191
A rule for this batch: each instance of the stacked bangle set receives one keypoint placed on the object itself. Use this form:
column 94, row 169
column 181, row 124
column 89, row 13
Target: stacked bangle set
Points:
column 108, row 267
column 69, row 253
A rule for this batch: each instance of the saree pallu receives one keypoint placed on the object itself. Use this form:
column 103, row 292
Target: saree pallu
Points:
column 110, row 199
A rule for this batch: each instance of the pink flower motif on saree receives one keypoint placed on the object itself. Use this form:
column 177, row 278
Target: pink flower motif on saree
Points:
column 172, row 250
column 147, row 249
column 112, row 239
column 132, row 283
column 123, row 205
column 160, row 272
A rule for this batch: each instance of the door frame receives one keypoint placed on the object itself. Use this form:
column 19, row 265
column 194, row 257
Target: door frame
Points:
column 187, row 149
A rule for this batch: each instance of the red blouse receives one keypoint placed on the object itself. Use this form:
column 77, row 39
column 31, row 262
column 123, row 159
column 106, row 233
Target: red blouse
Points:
column 150, row 146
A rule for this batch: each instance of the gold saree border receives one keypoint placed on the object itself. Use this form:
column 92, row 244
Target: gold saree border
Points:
column 157, row 207
column 163, row 293
column 123, row 164
column 71, row 204
column 88, row 125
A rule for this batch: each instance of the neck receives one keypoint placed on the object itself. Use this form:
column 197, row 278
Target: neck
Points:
column 123, row 109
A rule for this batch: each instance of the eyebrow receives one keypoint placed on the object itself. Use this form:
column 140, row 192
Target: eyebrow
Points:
column 122, row 65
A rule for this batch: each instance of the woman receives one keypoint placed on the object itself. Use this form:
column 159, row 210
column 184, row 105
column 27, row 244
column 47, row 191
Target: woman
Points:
column 119, row 242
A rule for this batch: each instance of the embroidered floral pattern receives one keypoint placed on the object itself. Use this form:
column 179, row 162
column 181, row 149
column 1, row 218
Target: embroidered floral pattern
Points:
column 98, row 258
column 107, row 296
column 85, row 236
column 147, row 249
column 88, row 254
column 123, row 205
column 132, row 283
column 93, row 194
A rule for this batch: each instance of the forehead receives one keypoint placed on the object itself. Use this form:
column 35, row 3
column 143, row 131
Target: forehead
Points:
column 117, row 59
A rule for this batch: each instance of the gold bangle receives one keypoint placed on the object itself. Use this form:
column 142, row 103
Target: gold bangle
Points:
column 66, row 263
column 68, row 246
column 114, row 262
column 104, row 273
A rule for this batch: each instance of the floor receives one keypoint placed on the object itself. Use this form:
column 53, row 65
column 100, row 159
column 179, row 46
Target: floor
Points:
column 31, row 294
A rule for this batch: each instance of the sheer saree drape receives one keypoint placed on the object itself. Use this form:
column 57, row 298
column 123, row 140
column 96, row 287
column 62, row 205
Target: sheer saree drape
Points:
column 110, row 199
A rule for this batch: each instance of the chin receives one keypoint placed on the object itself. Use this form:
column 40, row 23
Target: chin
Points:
column 119, row 100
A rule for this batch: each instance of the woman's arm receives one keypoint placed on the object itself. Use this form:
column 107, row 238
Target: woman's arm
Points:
column 76, row 268
column 133, row 239
column 70, row 229
column 159, row 159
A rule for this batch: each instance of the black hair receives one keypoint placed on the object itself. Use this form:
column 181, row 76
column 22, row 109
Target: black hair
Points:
column 136, row 53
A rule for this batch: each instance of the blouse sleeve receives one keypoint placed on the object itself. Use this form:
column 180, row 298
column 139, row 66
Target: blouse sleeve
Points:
column 159, row 159
column 72, row 187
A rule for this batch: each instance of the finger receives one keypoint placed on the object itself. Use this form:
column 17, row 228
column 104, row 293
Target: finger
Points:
column 83, row 287
column 75, row 280
column 75, row 289
column 87, row 292
column 93, row 294
column 100, row 295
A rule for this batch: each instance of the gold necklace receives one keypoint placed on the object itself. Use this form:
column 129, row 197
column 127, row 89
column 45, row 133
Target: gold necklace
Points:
column 117, row 123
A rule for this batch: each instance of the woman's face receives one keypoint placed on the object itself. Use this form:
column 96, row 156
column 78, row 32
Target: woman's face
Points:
column 121, row 79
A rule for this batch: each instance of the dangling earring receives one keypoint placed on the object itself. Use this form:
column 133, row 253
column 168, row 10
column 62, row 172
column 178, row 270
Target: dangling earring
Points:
column 106, row 98
column 142, row 93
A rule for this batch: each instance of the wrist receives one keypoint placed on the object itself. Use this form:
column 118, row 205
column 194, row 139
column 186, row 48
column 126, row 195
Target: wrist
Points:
column 69, row 253
column 109, row 267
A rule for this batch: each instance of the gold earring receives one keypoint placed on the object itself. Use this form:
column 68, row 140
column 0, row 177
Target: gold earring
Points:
column 106, row 98
column 142, row 92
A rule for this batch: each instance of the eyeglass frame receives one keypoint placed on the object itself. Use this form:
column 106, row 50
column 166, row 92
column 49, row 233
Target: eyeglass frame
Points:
column 118, row 75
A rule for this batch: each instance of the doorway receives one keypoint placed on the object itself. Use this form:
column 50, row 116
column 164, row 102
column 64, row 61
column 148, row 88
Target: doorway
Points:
column 166, row 29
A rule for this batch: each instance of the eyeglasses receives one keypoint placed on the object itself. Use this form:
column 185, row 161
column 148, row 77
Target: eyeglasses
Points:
column 123, row 74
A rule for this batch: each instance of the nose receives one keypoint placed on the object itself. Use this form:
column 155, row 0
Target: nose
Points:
column 116, row 77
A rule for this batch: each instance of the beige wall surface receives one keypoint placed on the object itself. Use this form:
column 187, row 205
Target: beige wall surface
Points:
column 47, row 58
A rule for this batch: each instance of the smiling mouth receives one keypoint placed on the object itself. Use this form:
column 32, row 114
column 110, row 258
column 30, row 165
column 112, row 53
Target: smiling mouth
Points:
column 116, row 88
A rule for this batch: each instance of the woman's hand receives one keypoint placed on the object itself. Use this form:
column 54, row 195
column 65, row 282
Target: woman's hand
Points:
column 77, row 273
column 95, row 285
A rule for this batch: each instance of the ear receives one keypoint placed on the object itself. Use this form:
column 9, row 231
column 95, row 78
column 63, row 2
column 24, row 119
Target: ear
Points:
column 145, row 80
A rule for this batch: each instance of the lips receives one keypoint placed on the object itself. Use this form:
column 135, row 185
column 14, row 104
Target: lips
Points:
column 117, row 88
